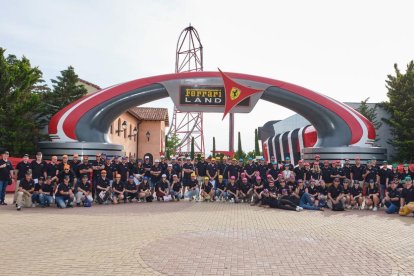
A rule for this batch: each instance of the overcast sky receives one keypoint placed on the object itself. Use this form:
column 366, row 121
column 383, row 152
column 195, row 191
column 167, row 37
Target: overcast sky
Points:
column 344, row 49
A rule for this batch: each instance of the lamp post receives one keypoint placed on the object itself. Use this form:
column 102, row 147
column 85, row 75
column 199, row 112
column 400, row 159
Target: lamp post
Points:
column 148, row 135
column 124, row 126
column 134, row 133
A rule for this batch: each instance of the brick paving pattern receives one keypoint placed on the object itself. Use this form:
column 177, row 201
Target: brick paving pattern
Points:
column 189, row 238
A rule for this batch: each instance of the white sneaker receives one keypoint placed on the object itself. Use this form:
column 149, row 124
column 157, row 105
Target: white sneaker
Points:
column 33, row 205
column 370, row 207
column 19, row 208
column 375, row 209
column 349, row 207
column 298, row 209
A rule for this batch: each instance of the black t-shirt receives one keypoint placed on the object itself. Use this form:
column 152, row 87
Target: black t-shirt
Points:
column 5, row 172
column 110, row 169
column 187, row 175
column 244, row 187
column 357, row 172
column 123, row 170
column 162, row 186
column 83, row 166
column 103, row 183
column 62, row 188
column 232, row 188
column 356, row 191
column 27, row 185
column 47, row 188
column 176, row 186
column 347, row 190
column 371, row 191
column 97, row 172
column 323, row 190
column 372, row 174
column 85, row 186
column 74, row 165
column 299, row 173
column 119, row 186
column 283, row 190
column 147, row 169
column 144, row 186
column 404, row 174
column 312, row 190
column 177, row 168
column 233, row 170
column 408, row 194
column 62, row 175
column 207, row 187
column 130, row 185
column 273, row 172
column 347, row 171
column 335, row 191
column 326, row 174
column 37, row 168
column 192, row 183
column 23, row 168
column 257, row 185
column 202, row 168
column 223, row 168
column 156, row 169
column 212, row 169
column 251, row 168
column 384, row 175
column 394, row 194
column 220, row 185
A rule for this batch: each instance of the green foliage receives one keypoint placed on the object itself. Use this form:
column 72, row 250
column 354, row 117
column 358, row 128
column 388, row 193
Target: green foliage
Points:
column 214, row 146
column 371, row 114
column 65, row 91
column 401, row 109
column 171, row 144
column 21, row 104
column 239, row 153
column 192, row 149
column 256, row 143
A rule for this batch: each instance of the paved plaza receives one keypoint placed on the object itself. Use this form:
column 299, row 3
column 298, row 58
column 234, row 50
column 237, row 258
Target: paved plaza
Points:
column 198, row 238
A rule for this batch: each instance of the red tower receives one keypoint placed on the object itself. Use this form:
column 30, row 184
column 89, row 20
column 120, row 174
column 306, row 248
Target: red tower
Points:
column 185, row 125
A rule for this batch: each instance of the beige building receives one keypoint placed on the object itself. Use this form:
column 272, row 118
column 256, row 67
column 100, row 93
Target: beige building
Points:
column 141, row 130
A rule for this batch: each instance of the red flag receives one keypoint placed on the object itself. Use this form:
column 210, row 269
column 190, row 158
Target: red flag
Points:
column 235, row 93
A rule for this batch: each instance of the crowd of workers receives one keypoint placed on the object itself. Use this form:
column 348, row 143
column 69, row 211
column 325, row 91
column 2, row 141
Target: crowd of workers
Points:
column 312, row 185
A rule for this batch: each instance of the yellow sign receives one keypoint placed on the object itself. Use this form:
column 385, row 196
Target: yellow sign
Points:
column 234, row 93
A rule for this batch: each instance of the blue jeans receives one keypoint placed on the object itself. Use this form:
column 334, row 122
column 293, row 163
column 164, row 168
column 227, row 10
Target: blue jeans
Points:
column 61, row 201
column 391, row 208
column 220, row 193
column 45, row 200
column 3, row 187
column 191, row 193
column 306, row 202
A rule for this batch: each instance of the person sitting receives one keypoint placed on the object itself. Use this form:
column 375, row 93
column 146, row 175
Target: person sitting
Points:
column 193, row 190
column 258, row 187
column 221, row 193
column 312, row 190
column 25, row 194
column 131, row 190
column 305, row 199
column 144, row 190
column 322, row 193
column 373, row 198
column 118, row 189
column 335, row 195
column 392, row 199
column 37, row 188
column 407, row 198
column 64, row 195
column 346, row 200
column 269, row 194
column 233, row 190
column 162, row 188
column 84, row 192
column 356, row 195
column 207, row 191
column 175, row 188
column 103, row 188
column 245, row 190
column 46, row 193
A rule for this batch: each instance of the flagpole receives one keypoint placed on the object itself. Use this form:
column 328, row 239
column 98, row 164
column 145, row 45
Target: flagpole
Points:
column 231, row 132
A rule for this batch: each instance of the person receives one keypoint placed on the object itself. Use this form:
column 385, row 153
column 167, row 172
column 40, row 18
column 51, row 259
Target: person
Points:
column 370, row 173
column 269, row 194
column 299, row 170
column 186, row 175
column 103, row 188
column 306, row 200
column 335, row 195
column 201, row 169
column 38, row 167
column 156, row 172
column 131, row 190
column 118, row 189
column 21, row 168
column 287, row 172
column 322, row 193
column 84, row 191
column 346, row 200
column 122, row 168
column 406, row 172
column 207, row 190
column 162, row 188
column 221, row 189
column 356, row 195
column 145, row 190
column 36, row 192
column 249, row 170
column 212, row 172
column 395, row 174
column 51, row 168
column 347, row 168
column 407, row 198
column 357, row 171
column 245, row 190
column 316, row 171
column 337, row 171
column 66, row 171
column 273, row 171
column 326, row 173
column 193, row 188
column 308, row 172
column 258, row 187
column 64, row 196
column 110, row 169
column 6, row 175
column 372, row 197
column 175, row 188
column 383, row 178
column 312, row 190
column 25, row 194
column 392, row 199
column 233, row 190
column 46, row 193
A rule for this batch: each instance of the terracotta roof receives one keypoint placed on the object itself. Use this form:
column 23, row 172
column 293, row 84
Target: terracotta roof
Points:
column 150, row 114
column 89, row 83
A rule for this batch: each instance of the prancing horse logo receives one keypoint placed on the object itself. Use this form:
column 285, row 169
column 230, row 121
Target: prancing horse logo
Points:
column 234, row 93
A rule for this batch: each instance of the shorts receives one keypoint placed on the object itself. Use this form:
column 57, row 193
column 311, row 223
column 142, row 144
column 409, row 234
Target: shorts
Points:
column 186, row 182
column 404, row 211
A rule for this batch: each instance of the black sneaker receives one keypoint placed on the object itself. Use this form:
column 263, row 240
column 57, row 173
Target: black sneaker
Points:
column 4, row 203
column 19, row 208
column 78, row 204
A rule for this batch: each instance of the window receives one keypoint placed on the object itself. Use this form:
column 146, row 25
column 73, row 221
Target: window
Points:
column 130, row 131
column 119, row 127
column 125, row 133
column 111, row 129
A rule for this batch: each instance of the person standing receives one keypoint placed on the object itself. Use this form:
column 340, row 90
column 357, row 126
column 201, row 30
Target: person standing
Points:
column 201, row 169
column 187, row 171
column 383, row 177
column 38, row 167
column 6, row 175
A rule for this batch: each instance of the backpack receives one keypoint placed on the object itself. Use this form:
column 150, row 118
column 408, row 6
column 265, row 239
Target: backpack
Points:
column 87, row 203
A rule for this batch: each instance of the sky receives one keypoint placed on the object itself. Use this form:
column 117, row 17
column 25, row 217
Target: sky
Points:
column 343, row 49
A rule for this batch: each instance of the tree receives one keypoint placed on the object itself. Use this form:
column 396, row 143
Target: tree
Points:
column 371, row 114
column 256, row 143
column 239, row 153
column 192, row 149
column 21, row 104
column 65, row 91
column 214, row 147
column 171, row 144
column 167, row 150
column 401, row 109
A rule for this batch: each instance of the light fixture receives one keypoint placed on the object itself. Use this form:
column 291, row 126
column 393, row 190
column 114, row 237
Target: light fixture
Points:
column 124, row 126
column 148, row 135
column 134, row 132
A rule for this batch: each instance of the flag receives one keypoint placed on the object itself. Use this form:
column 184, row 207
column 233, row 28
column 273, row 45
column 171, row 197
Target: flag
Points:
column 235, row 93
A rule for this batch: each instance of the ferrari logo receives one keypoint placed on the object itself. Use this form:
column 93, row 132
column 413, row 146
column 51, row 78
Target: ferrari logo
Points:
column 234, row 93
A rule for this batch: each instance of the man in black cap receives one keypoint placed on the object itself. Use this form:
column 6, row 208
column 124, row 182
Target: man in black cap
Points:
column 335, row 195
column 64, row 194
column 21, row 168
column 46, row 192
column 25, row 193
column 6, row 175
column 383, row 177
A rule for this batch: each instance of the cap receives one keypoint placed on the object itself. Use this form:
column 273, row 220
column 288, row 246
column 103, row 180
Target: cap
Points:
column 146, row 157
column 287, row 158
column 300, row 180
column 162, row 156
column 300, row 161
column 6, row 152
column 65, row 156
column 233, row 177
column 286, row 165
column 213, row 159
column 336, row 179
column 371, row 181
column 169, row 165
column 124, row 158
column 26, row 155
column 48, row 177
column 316, row 163
column 174, row 175
column 193, row 174
column 108, row 158
column 164, row 175
column 173, row 158
column 307, row 164
column 220, row 177
column 145, row 177
column 139, row 175
column 385, row 162
column 234, row 159
column 269, row 175
column 157, row 161
column 241, row 160
column 405, row 165
column 407, row 178
column 66, row 177
column 262, row 159
column 394, row 165
column 250, row 159
column 39, row 153
column 41, row 178
column 206, row 178
column 85, row 176
column 188, row 158
column 131, row 177
column 225, row 158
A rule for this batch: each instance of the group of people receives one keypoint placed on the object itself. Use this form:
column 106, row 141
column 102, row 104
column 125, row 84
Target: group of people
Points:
column 111, row 180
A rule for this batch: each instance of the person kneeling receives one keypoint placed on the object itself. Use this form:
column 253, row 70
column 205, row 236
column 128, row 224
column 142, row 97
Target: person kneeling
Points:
column 46, row 193
column 392, row 199
column 175, row 188
column 335, row 195
column 407, row 198
column 25, row 194
column 64, row 195
column 131, row 190
column 207, row 191
column 162, row 188
column 84, row 192
column 233, row 190
column 118, row 189
column 372, row 199
column 145, row 190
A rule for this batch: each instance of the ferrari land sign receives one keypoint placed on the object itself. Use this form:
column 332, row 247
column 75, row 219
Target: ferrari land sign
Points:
column 207, row 95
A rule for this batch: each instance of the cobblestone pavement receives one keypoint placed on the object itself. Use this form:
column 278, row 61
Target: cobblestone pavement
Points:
column 197, row 238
